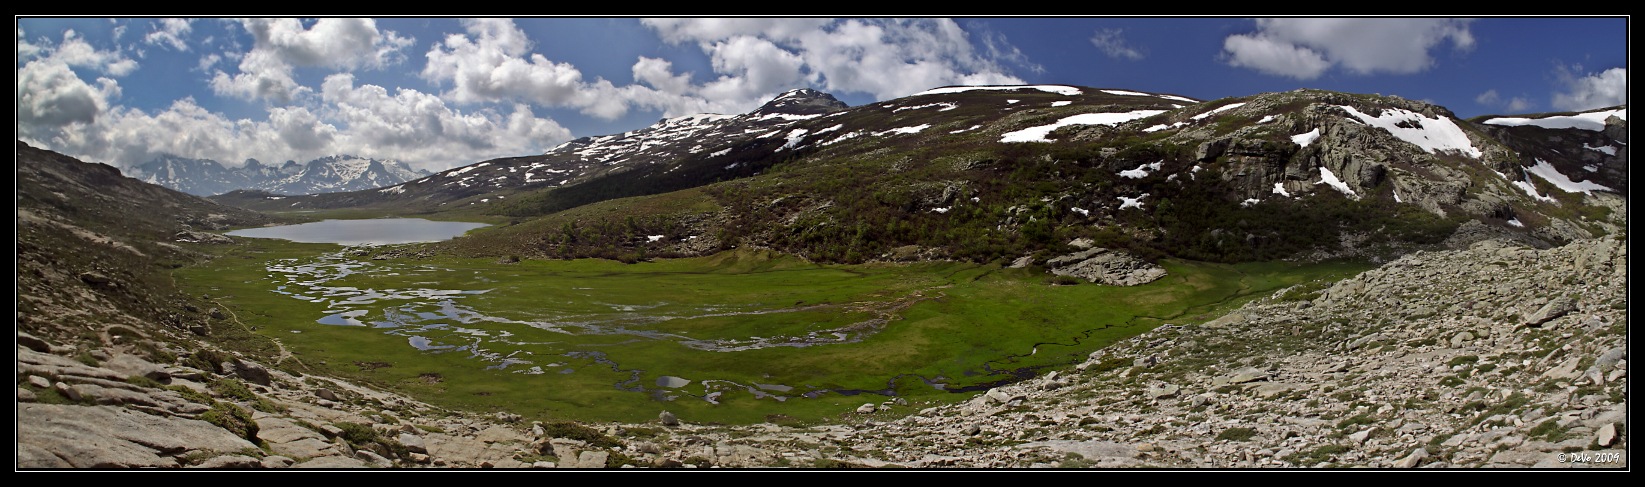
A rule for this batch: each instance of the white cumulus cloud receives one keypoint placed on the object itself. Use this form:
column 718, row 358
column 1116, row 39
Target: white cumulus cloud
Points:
column 1112, row 42
column 50, row 95
column 750, row 68
column 170, row 32
column 886, row 58
column 493, row 62
column 1594, row 90
column 413, row 126
column 751, row 60
column 74, row 51
column 1491, row 98
column 659, row 73
column 890, row 58
column 675, row 30
column 283, row 44
column 1304, row 48
column 330, row 42
column 365, row 120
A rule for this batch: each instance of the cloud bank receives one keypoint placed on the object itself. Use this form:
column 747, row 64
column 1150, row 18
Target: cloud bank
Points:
column 1595, row 90
column 486, row 83
column 1305, row 49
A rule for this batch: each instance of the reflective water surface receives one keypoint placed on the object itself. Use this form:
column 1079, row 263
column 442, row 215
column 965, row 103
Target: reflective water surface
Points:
column 379, row 231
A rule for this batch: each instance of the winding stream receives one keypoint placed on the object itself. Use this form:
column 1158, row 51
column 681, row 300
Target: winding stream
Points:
column 436, row 320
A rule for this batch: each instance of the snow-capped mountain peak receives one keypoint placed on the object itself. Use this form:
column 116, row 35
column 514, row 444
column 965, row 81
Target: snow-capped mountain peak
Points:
column 322, row 175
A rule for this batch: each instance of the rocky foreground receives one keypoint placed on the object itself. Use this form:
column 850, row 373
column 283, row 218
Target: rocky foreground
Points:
column 1494, row 355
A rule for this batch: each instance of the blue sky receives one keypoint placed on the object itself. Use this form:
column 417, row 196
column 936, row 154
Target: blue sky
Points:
column 444, row 92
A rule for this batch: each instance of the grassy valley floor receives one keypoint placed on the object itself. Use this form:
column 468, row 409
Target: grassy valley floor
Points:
column 738, row 337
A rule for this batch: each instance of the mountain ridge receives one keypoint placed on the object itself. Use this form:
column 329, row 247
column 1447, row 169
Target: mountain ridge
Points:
column 206, row 177
column 1151, row 173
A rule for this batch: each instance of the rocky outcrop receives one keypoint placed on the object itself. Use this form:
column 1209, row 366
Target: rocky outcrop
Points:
column 1112, row 267
column 801, row 102
column 1420, row 363
column 77, row 436
column 1294, row 143
column 127, row 412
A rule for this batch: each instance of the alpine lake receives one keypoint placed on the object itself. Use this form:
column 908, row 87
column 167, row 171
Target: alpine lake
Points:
column 742, row 336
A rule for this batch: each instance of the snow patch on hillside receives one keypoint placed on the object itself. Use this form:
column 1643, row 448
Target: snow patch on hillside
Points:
column 794, row 138
column 1160, row 127
column 1431, row 134
column 786, row 116
column 1547, row 172
column 1136, row 202
column 1058, row 89
column 1037, row 134
column 459, row 172
column 1141, row 171
column 842, row 138
column 1608, row 150
column 946, row 106
column 1304, row 139
column 1594, row 121
column 1138, row 93
column 1329, row 178
column 1530, row 189
column 903, row 130
column 1220, row 109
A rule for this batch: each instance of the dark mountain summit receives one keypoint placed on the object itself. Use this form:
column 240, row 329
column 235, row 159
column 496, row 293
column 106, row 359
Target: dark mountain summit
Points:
column 801, row 102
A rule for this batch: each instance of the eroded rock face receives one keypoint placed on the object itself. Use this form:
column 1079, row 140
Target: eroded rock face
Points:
column 1294, row 143
column 70, row 436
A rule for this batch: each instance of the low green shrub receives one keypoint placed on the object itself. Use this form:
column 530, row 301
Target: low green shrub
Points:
column 574, row 431
column 233, row 418
column 1237, row 434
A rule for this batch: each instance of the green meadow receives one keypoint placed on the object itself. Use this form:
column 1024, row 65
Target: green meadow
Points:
column 737, row 337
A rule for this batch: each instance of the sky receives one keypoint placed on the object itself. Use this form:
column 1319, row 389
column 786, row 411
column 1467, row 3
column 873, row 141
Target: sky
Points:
column 443, row 92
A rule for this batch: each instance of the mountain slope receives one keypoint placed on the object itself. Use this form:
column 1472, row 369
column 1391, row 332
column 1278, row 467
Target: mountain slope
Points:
column 94, row 248
column 999, row 173
column 1586, row 150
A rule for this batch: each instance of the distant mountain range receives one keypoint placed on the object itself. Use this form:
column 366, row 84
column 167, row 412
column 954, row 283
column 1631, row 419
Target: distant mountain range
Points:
column 329, row 174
